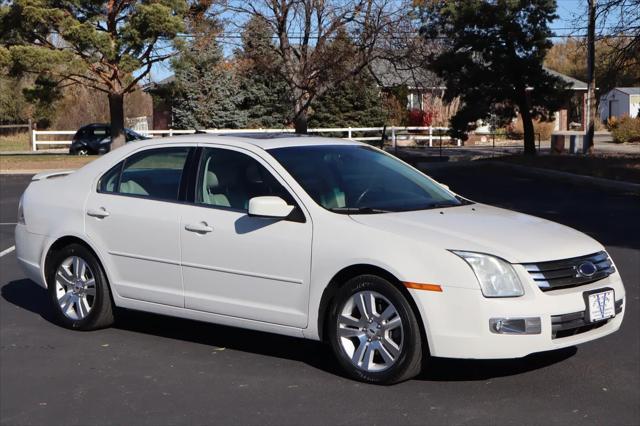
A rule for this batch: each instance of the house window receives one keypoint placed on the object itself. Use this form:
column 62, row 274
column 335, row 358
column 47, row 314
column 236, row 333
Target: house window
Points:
column 414, row 100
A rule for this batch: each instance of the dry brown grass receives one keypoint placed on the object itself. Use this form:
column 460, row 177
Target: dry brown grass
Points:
column 42, row 162
column 18, row 141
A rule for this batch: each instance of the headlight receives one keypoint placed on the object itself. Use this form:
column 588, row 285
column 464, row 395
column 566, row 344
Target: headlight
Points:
column 497, row 277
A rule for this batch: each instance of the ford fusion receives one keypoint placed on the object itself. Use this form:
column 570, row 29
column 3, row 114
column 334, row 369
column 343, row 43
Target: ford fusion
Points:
column 318, row 238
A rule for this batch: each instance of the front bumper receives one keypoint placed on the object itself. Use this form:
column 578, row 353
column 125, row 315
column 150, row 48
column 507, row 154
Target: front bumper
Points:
column 457, row 320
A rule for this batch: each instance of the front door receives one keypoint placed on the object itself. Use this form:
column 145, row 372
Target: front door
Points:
column 134, row 218
column 234, row 264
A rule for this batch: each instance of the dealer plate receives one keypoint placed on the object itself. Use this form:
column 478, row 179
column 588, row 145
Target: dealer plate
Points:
column 600, row 305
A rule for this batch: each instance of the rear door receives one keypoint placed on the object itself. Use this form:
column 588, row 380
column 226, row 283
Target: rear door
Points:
column 133, row 217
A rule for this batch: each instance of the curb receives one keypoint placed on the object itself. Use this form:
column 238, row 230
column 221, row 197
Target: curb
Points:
column 603, row 183
column 40, row 152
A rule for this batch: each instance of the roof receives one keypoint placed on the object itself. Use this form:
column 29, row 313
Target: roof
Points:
column 575, row 83
column 273, row 141
column 394, row 74
column 629, row 90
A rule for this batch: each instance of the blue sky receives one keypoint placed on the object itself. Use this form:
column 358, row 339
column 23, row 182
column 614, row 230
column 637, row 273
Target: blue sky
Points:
column 569, row 12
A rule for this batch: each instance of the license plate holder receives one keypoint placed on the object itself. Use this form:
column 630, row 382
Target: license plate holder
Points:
column 600, row 305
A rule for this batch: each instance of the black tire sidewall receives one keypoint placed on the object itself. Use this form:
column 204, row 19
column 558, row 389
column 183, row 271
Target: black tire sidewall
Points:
column 102, row 300
column 411, row 347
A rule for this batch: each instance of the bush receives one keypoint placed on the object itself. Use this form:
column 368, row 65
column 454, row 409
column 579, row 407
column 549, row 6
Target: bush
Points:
column 625, row 129
column 543, row 128
column 420, row 118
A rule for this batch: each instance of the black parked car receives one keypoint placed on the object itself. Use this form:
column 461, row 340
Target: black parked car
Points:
column 96, row 139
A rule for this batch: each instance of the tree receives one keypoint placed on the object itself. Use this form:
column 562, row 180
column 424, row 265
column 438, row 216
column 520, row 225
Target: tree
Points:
column 569, row 57
column 491, row 55
column 310, row 42
column 206, row 91
column 109, row 45
column 266, row 95
column 356, row 102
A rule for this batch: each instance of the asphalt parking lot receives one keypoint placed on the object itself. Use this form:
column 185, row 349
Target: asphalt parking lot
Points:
column 154, row 370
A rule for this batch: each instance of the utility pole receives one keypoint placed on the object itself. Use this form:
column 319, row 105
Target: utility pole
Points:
column 587, row 146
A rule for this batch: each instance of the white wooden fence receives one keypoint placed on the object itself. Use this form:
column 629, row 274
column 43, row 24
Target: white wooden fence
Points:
column 395, row 133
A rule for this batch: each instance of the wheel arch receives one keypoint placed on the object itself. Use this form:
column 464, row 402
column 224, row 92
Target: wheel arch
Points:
column 62, row 242
column 352, row 271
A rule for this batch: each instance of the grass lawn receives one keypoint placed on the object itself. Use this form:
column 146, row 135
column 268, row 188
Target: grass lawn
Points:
column 15, row 142
column 616, row 167
column 43, row 162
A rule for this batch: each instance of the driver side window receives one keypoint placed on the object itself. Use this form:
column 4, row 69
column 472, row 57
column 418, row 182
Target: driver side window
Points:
column 229, row 179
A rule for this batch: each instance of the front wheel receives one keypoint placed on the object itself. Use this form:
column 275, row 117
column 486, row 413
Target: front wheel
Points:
column 78, row 289
column 374, row 333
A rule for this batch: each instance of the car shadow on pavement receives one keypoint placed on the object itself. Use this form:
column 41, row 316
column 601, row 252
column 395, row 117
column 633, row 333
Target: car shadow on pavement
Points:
column 451, row 370
column 28, row 295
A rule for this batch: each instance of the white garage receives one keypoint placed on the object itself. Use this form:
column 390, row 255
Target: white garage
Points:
column 619, row 102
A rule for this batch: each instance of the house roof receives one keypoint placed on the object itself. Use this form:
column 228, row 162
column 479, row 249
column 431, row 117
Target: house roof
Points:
column 575, row 83
column 629, row 90
column 394, row 74
column 391, row 74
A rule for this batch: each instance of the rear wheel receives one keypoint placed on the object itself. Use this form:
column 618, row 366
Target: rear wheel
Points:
column 79, row 290
column 374, row 332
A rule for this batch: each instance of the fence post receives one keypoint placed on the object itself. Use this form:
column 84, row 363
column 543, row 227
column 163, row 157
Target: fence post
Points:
column 430, row 136
column 393, row 139
column 349, row 133
column 32, row 129
column 170, row 132
column 30, row 124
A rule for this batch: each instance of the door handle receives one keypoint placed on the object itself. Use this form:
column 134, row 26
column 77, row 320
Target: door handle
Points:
column 200, row 228
column 100, row 213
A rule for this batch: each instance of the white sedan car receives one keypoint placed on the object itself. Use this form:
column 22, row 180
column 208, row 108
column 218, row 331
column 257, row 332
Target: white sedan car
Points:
column 312, row 237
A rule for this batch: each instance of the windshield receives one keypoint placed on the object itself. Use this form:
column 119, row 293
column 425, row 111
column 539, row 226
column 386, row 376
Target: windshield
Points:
column 359, row 179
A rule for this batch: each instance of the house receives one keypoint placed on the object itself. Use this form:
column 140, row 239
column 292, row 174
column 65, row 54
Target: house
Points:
column 424, row 91
column 619, row 102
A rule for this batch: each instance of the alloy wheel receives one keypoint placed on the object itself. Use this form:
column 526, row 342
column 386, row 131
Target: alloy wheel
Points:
column 75, row 288
column 370, row 331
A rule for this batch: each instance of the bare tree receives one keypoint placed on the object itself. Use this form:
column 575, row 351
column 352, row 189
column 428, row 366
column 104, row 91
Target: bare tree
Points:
column 321, row 43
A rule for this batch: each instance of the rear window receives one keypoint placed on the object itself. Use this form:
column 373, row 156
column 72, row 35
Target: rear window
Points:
column 155, row 173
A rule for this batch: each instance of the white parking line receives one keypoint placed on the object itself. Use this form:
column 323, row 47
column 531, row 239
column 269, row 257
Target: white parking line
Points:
column 7, row 251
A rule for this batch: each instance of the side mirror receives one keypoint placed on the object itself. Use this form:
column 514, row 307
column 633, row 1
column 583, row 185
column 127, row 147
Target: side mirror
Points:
column 269, row 207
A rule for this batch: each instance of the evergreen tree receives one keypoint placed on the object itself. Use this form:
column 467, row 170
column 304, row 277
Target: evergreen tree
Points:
column 356, row 102
column 266, row 95
column 97, row 44
column 491, row 58
column 207, row 92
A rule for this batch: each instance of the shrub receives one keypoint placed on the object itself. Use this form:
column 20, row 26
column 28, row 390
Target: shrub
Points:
column 626, row 129
column 420, row 118
column 544, row 128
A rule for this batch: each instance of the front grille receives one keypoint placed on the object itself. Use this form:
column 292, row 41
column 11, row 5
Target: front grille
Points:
column 566, row 273
column 575, row 323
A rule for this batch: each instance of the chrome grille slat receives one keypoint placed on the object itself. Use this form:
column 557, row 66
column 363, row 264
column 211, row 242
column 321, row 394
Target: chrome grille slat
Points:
column 563, row 273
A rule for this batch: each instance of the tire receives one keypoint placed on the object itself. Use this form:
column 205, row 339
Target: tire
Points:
column 81, row 301
column 391, row 353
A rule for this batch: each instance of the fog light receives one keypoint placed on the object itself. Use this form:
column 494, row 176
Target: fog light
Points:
column 515, row 325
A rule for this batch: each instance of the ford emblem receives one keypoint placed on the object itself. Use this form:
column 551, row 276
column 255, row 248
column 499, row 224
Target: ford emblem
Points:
column 587, row 269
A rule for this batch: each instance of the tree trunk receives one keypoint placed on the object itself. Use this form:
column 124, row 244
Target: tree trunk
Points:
column 591, row 80
column 116, row 111
column 529, row 132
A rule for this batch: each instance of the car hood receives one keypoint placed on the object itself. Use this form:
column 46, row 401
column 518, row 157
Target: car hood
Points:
column 516, row 237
